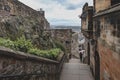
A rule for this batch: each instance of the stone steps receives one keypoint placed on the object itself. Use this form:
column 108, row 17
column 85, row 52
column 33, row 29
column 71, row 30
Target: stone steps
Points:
column 74, row 70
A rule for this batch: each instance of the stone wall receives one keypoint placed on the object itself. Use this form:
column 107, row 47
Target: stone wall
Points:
column 17, row 19
column 92, row 60
column 107, row 27
column 86, row 16
column 109, row 30
column 22, row 66
column 109, row 62
column 86, row 50
column 101, row 5
column 107, row 46
column 75, row 45
column 104, row 43
column 87, row 29
column 64, row 36
column 16, row 8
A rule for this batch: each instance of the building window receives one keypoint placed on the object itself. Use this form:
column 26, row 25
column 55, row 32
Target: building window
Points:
column 113, row 2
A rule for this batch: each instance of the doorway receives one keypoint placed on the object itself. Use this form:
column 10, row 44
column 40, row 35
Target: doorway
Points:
column 88, row 53
column 97, row 66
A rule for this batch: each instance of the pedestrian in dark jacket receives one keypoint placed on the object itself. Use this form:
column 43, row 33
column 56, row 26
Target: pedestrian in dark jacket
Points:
column 70, row 56
column 81, row 55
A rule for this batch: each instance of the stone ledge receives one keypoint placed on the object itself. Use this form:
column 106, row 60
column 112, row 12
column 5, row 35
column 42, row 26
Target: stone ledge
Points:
column 108, row 11
column 24, row 56
column 60, row 56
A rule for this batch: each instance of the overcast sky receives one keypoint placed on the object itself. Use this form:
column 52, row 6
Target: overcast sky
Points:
column 60, row 12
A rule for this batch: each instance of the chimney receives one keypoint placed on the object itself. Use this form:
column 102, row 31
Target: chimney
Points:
column 42, row 12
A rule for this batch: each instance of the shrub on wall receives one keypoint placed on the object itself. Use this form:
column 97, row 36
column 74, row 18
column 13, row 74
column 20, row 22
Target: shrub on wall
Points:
column 51, row 54
column 7, row 43
column 21, row 44
column 59, row 45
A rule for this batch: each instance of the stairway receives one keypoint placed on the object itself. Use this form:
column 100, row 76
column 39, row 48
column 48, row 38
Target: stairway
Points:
column 75, row 70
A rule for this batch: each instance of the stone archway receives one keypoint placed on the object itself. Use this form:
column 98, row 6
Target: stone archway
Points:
column 97, row 66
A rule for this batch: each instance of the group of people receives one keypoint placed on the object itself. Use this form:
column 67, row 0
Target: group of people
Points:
column 81, row 55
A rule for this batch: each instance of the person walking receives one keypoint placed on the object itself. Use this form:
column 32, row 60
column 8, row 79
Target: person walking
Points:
column 70, row 56
column 81, row 55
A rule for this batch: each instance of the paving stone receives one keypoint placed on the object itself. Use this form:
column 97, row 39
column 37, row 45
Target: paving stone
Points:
column 74, row 70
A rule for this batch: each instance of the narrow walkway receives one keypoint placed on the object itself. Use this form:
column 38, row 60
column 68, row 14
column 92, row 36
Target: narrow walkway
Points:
column 74, row 70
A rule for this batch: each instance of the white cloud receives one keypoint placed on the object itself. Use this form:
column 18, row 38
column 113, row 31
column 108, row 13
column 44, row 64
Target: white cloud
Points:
column 34, row 4
column 56, row 10
column 80, row 2
column 75, row 2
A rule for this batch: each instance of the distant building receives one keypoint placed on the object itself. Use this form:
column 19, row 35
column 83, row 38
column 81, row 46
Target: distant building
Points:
column 64, row 37
column 75, row 44
column 74, row 28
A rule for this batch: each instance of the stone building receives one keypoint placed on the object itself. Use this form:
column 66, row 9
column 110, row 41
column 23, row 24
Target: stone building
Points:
column 107, row 29
column 75, row 45
column 64, row 37
column 86, row 28
column 104, row 43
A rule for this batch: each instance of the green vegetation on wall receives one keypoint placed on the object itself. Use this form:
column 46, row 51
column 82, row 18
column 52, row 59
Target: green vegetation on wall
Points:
column 7, row 43
column 21, row 44
column 51, row 54
column 59, row 45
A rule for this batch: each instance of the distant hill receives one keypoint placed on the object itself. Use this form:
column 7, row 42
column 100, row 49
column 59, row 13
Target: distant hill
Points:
column 74, row 28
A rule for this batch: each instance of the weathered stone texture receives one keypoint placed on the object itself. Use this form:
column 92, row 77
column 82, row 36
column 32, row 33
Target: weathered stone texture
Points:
column 104, row 46
column 17, row 19
column 64, row 37
column 21, row 66
column 109, row 30
column 86, row 16
column 106, row 27
column 109, row 63
column 102, row 4
column 92, row 60
column 87, row 29
column 75, row 45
